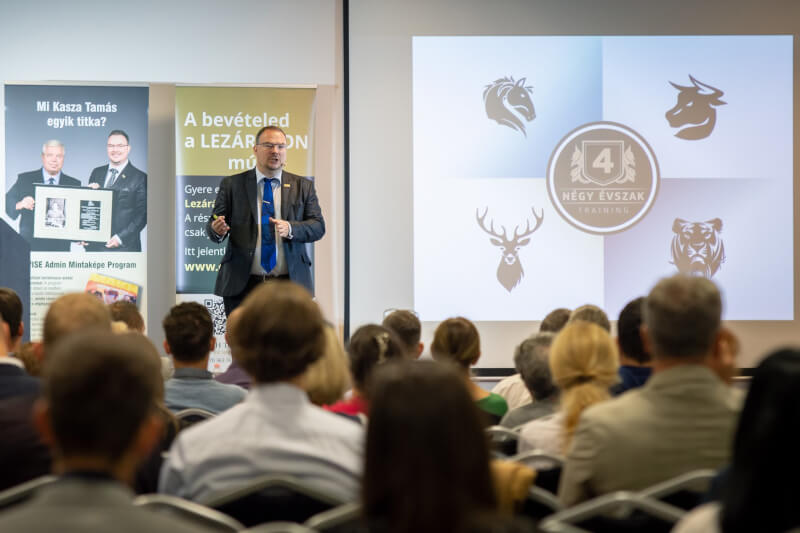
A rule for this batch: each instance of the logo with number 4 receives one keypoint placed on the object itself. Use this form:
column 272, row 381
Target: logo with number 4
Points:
column 603, row 163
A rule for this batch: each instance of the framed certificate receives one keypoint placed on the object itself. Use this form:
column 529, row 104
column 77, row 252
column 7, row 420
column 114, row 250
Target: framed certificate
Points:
column 72, row 213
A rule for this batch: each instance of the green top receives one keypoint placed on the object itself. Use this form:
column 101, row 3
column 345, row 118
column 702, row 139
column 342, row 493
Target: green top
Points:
column 494, row 404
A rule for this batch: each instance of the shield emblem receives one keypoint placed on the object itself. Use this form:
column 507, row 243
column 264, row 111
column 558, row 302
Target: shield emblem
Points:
column 602, row 161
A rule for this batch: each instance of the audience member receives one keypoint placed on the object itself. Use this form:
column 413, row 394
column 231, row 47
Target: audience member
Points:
column 531, row 360
column 328, row 378
column 406, row 325
column 276, row 430
column 234, row 374
column 682, row 419
column 456, row 340
column 97, row 416
column 127, row 312
column 190, row 339
column 14, row 380
column 427, row 459
column 11, row 313
column 591, row 313
column 371, row 345
column 27, row 353
column 634, row 369
column 755, row 496
column 555, row 320
column 584, row 363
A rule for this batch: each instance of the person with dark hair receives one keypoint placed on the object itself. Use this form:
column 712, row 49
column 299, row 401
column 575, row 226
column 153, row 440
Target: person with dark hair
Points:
column 189, row 340
column 130, row 196
column 532, row 362
column 427, row 458
column 755, row 496
column 682, row 419
column 11, row 313
column 14, row 380
column 276, row 430
column 370, row 346
column 555, row 320
column 128, row 313
column 634, row 369
column 456, row 340
column 97, row 414
column 591, row 313
column 406, row 325
column 268, row 216
column 234, row 374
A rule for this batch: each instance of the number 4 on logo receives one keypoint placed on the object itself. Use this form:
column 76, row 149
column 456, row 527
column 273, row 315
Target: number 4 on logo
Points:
column 603, row 160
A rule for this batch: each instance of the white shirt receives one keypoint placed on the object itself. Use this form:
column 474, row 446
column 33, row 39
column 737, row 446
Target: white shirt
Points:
column 546, row 434
column 47, row 177
column 276, row 430
column 281, row 267
column 118, row 168
column 514, row 391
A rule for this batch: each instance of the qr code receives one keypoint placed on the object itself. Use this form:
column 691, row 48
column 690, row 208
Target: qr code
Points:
column 217, row 310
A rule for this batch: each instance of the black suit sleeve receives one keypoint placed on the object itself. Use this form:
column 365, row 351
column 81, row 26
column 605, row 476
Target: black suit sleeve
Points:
column 16, row 193
column 221, row 205
column 138, row 211
column 312, row 227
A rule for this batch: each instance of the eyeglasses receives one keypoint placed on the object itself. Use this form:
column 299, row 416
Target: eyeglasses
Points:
column 111, row 146
column 270, row 146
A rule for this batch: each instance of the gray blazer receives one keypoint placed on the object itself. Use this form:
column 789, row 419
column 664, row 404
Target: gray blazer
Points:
column 236, row 200
column 682, row 419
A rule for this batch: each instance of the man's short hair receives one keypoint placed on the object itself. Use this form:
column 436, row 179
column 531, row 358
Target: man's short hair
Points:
column 11, row 310
column 683, row 314
column 73, row 312
column 52, row 142
column 119, row 132
column 188, row 329
column 269, row 128
column 100, row 389
column 628, row 326
column 407, row 327
column 591, row 313
column 531, row 361
column 127, row 312
column 280, row 332
column 555, row 320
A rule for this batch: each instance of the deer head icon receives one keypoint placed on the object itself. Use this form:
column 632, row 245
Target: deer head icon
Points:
column 509, row 271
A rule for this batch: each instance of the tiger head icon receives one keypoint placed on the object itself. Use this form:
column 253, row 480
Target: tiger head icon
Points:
column 697, row 248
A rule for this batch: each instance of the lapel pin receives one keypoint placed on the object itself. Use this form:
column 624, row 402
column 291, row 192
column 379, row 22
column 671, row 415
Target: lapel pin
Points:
column 287, row 185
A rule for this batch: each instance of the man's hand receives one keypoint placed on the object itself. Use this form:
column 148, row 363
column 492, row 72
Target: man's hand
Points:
column 282, row 226
column 219, row 226
column 114, row 242
column 25, row 203
column 94, row 185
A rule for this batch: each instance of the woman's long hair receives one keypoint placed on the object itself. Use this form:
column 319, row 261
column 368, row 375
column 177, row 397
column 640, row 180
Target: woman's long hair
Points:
column 427, row 457
column 584, row 362
column 759, row 495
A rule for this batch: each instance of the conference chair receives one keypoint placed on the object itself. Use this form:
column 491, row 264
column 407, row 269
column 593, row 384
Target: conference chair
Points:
column 273, row 499
column 685, row 491
column 23, row 492
column 617, row 512
column 279, row 527
column 189, row 511
column 188, row 417
column 548, row 468
column 342, row 519
column 503, row 440
column 539, row 504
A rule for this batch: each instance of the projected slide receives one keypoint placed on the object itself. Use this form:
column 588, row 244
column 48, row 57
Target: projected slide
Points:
column 555, row 171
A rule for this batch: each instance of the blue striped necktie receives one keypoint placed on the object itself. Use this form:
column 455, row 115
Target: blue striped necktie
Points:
column 267, row 230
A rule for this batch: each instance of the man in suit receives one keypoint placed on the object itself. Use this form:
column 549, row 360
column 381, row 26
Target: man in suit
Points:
column 682, row 419
column 20, row 198
column 267, row 226
column 99, row 435
column 130, row 196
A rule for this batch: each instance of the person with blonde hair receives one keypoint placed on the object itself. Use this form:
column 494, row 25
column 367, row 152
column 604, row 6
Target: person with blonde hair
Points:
column 456, row 340
column 583, row 361
column 328, row 378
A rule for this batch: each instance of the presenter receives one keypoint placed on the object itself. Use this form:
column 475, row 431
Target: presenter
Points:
column 20, row 201
column 268, row 216
column 130, row 196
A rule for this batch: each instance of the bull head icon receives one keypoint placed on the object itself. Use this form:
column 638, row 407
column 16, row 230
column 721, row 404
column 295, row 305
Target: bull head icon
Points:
column 509, row 271
column 696, row 105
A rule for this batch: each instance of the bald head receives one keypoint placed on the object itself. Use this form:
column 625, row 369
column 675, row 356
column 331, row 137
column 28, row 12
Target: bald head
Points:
column 74, row 312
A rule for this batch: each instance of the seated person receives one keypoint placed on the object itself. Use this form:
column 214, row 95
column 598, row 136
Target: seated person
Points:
column 328, row 378
column 531, row 359
column 634, row 369
column 189, row 339
column 97, row 414
column 234, row 374
column 456, row 340
column 406, row 325
column 127, row 312
column 276, row 430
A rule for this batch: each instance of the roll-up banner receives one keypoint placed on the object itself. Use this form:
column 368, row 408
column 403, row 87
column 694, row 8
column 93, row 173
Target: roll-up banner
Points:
column 215, row 133
column 75, row 194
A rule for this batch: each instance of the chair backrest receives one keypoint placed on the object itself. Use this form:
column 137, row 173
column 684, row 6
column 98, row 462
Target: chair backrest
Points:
column 342, row 519
column 279, row 527
column 190, row 511
column 274, row 498
column 548, row 468
column 539, row 504
column 503, row 440
column 187, row 417
column 23, row 492
column 685, row 491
